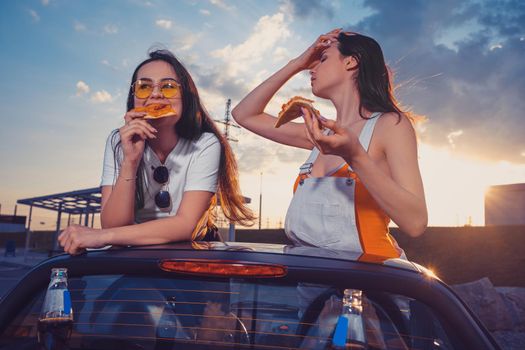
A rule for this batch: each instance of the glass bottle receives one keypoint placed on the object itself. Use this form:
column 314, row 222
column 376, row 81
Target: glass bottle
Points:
column 56, row 319
column 350, row 329
column 169, row 326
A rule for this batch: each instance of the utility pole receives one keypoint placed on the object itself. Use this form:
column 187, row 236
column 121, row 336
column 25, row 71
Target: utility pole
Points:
column 260, row 201
column 227, row 122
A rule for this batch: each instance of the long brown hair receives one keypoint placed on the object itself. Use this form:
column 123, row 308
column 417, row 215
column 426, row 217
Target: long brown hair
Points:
column 195, row 121
column 373, row 77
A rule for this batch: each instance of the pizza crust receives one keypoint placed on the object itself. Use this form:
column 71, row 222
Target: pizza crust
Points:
column 292, row 110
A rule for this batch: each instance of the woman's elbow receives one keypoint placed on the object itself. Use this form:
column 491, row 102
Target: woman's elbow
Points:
column 416, row 227
column 108, row 221
column 104, row 220
column 110, row 224
column 238, row 115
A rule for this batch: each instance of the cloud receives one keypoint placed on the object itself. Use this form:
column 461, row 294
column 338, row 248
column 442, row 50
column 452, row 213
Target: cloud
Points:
column 256, row 153
column 101, row 97
column 111, row 29
column 45, row 2
column 221, row 4
column 310, row 8
column 269, row 31
column 280, row 54
column 82, row 88
column 186, row 42
column 215, row 81
column 106, row 63
column 452, row 136
column 205, row 12
column 34, row 15
column 142, row 3
column 79, row 26
column 228, row 79
column 163, row 23
column 475, row 85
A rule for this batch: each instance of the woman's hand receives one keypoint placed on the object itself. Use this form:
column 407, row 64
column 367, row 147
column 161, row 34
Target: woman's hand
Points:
column 312, row 55
column 133, row 135
column 75, row 238
column 343, row 142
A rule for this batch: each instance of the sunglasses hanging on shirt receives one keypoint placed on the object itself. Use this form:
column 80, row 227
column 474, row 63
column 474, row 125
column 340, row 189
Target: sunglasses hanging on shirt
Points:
column 161, row 175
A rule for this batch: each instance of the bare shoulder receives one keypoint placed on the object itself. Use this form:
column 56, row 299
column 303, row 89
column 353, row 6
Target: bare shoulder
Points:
column 391, row 125
column 392, row 120
column 394, row 131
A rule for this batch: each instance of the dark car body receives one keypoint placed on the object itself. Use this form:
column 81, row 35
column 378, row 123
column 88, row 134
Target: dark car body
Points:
column 240, row 295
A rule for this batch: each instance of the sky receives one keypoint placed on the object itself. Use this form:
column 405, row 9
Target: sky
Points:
column 66, row 67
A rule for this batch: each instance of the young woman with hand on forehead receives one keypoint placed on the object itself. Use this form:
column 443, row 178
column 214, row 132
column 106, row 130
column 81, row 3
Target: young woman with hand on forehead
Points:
column 161, row 177
column 363, row 170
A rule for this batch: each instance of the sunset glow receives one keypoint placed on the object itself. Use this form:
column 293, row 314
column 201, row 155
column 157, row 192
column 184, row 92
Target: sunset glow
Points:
column 455, row 184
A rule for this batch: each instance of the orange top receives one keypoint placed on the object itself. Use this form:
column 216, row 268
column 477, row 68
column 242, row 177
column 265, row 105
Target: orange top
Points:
column 371, row 220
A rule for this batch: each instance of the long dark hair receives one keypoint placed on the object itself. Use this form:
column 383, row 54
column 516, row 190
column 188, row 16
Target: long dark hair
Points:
column 195, row 121
column 373, row 76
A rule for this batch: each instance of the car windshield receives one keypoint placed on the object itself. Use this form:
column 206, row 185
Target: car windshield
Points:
column 130, row 312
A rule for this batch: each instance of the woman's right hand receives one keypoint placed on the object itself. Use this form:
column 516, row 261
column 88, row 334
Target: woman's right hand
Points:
column 309, row 58
column 133, row 136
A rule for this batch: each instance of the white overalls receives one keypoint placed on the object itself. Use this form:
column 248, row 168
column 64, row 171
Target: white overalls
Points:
column 322, row 212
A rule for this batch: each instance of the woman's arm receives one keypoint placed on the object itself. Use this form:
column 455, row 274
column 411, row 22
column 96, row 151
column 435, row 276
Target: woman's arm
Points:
column 170, row 229
column 250, row 114
column 118, row 200
column 400, row 194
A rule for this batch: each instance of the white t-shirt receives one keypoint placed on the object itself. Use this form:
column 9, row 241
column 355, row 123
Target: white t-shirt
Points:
column 192, row 165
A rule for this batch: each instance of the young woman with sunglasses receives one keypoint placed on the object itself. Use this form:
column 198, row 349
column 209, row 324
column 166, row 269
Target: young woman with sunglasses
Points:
column 160, row 176
column 363, row 170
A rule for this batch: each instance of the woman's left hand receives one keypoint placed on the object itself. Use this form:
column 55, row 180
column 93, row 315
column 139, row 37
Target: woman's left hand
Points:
column 75, row 238
column 343, row 142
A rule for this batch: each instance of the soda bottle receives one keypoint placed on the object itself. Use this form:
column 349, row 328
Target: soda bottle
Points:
column 56, row 319
column 169, row 326
column 350, row 329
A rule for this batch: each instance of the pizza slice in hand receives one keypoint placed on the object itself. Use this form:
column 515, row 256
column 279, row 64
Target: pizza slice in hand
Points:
column 156, row 111
column 292, row 110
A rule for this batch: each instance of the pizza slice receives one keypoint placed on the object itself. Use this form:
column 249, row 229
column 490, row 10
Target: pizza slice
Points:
column 292, row 110
column 156, row 111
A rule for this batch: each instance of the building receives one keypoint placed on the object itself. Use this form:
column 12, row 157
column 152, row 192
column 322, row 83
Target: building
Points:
column 505, row 205
column 12, row 224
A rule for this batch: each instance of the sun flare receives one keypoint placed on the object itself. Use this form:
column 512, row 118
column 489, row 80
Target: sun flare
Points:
column 455, row 185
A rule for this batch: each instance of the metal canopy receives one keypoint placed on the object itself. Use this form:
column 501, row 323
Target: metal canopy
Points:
column 73, row 202
column 84, row 202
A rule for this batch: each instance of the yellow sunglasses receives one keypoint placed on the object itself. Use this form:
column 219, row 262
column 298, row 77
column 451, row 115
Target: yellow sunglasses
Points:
column 143, row 88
